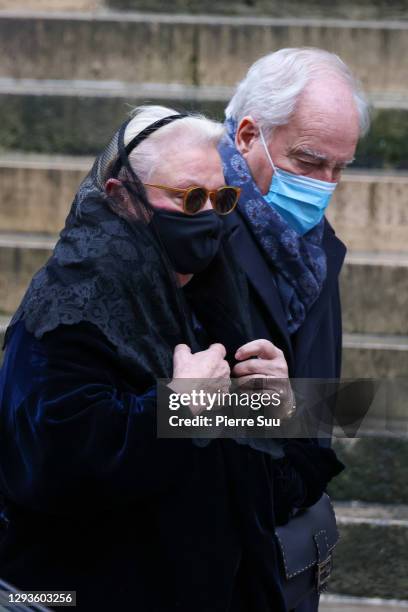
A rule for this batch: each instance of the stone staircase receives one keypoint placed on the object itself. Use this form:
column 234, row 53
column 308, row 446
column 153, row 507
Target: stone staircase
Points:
column 68, row 79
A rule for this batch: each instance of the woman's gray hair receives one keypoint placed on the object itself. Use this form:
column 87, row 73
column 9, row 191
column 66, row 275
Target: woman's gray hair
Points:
column 192, row 131
column 273, row 84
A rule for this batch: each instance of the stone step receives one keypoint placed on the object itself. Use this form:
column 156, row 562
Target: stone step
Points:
column 20, row 258
column 380, row 515
column 347, row 603
column 366, row 9
column 189, row 49
column 55, row 5
column 78, row 117
column 367, row 208
column 375, row 356
column 369, row 211
column 371, row 557
column 376, row 470
column 37, row 191
column 374, row 293
column 178, row 92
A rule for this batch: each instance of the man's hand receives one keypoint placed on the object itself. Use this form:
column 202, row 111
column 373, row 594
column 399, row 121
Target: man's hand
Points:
column 269, row 364
column 270, row 361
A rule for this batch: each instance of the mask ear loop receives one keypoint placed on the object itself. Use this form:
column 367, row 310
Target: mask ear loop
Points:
column 266, row 150
column 135, row 186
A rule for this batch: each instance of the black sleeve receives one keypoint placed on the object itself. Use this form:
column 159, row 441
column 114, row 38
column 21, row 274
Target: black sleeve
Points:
column 70, row 435
column 316, row 465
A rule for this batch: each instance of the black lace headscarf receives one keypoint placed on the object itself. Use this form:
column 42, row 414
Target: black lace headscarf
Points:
column 109, row 268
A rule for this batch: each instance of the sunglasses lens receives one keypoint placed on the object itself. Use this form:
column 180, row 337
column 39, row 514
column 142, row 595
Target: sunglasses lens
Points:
column 226, row 200
column 195, row 200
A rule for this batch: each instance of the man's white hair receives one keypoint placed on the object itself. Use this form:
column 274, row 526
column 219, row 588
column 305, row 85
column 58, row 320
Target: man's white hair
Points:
column 189, row 132
column 273, row 84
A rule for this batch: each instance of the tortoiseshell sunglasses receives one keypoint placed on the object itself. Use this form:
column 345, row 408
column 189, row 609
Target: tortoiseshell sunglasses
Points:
column 223, row 200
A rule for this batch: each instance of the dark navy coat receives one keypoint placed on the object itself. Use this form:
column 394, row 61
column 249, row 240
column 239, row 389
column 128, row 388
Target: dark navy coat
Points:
column 314, row 351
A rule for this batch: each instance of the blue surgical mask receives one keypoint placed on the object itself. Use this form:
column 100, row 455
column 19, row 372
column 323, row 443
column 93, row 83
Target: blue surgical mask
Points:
column 300, row 200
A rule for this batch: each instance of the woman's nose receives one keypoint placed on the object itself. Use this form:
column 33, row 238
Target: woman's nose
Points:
column 207, row 205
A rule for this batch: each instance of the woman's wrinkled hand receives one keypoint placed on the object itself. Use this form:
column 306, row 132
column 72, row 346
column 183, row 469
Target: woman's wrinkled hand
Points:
column 205, row 370
column 210, row 363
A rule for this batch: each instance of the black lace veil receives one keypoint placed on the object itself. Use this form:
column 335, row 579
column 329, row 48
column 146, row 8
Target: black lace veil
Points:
column 109, row 268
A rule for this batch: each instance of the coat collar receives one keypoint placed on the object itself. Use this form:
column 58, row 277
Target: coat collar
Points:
column 261, row 277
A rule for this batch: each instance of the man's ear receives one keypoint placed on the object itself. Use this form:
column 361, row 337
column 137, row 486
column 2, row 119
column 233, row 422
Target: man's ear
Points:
column 247, row 135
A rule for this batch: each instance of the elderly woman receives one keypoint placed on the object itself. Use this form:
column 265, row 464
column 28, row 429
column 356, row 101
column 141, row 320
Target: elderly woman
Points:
column 140, row 286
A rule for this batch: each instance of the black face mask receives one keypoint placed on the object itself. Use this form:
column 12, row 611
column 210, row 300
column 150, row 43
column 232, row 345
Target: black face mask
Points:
column 191, row 241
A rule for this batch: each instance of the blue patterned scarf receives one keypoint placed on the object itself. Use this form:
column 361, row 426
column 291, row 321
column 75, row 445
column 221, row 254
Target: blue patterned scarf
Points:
column 300, row 261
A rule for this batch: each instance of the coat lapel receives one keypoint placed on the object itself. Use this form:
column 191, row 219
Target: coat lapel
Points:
column 260, row 277
column 304, row 338
column 259, row 274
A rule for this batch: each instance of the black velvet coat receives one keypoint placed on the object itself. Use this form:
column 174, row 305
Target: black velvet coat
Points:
column 96, row 504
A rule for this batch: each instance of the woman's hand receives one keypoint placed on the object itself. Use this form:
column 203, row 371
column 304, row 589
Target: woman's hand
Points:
column 210, row 363
column 206, row 371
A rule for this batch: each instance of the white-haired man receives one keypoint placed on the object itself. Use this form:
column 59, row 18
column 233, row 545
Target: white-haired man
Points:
column 293, row 126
